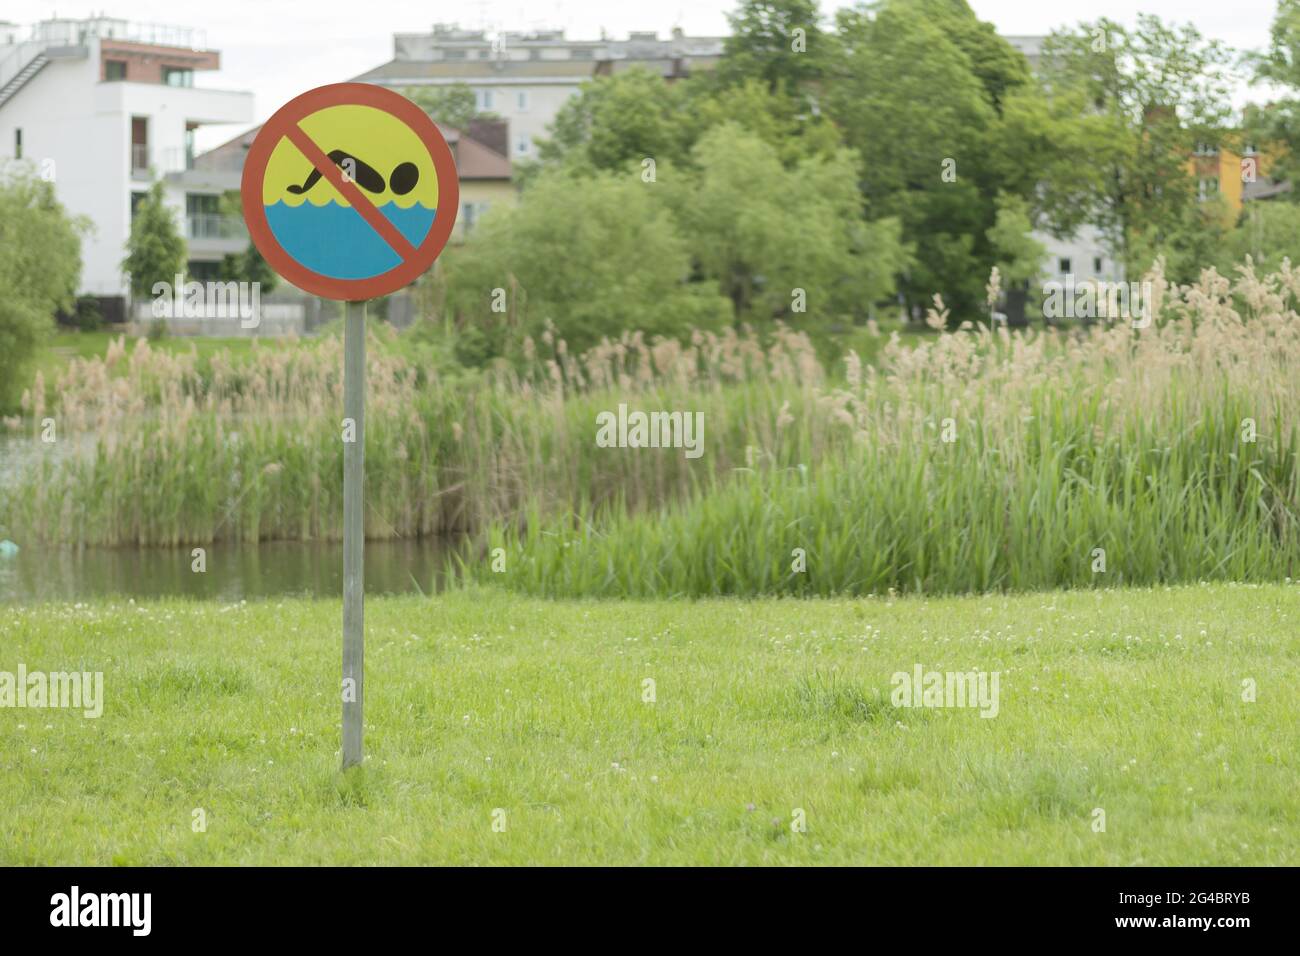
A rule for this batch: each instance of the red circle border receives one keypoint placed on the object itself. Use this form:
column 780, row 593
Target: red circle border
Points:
column 313, row 101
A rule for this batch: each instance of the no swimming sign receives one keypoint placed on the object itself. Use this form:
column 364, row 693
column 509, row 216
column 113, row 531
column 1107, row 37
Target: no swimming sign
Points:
column 350, row 191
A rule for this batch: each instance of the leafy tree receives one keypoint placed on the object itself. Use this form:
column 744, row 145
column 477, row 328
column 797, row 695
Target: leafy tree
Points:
column 762, row 231
column 1060, row 149
column 155, row 249
column 596, row 254
column 248, row 265
column 1278, row 123
column 1268, row 232
column 766, row 44
column 452, row 105
column 40, row 267
column 1161, row 89
column 1189, row 243
column 1018, row 255
column 777, row 118
column 618, row 120
column 1000, row 68
column 910, row 103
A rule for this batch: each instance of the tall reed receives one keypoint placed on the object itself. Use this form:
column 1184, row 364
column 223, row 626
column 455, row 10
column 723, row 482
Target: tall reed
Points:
column 154, row 450
column 1110, row 456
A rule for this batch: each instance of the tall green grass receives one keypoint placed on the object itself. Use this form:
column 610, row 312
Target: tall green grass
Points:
column 929, row 516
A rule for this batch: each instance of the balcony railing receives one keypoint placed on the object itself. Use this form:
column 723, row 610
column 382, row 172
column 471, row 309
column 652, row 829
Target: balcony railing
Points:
column 175, row 160
column 68, row 32
column 139, row 159
column 215, row 226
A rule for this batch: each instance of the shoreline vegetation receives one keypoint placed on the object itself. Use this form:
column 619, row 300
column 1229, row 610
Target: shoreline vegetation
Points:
column 974, row 460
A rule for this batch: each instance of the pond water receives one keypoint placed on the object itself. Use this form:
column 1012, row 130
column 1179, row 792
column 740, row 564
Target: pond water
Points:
column 234, row 572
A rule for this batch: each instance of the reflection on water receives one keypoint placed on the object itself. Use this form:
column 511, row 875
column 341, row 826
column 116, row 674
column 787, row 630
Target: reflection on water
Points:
column 233, row 572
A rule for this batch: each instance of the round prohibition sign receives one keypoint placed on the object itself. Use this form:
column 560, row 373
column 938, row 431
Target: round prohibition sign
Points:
column 356, row 139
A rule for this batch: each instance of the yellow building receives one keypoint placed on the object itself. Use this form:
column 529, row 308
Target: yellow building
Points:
column 484, row 179
column 1224, row 170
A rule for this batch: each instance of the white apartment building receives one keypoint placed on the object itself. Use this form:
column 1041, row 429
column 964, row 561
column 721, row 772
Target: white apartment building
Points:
column 526, row 77
column 103, row 107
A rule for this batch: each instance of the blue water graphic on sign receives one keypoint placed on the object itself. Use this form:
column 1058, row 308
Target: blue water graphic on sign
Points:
column 336, row 241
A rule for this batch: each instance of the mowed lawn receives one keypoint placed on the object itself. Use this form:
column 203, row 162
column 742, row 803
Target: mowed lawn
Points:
column 484, row 707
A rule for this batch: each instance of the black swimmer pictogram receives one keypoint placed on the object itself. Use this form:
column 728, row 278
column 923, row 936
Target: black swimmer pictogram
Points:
column 402, row 181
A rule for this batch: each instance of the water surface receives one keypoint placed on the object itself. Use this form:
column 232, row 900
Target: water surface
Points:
column 234, row 572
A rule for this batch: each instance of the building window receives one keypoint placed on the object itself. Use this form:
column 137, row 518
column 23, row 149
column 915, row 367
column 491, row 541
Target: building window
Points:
column 453, row 54
column 139, row 144
column 136, row 199
column 201, row 271
column 177, row 76
column 115, row 69
column 198, row 204
column 471, row 213
column 1063, row 266
column 203, row 219
column 1096, row 264
column 584, row 53
column 522, row 145
column 1207, row 188
column 483, row 100
column 1206, row 149
column 521, row 101
column 18, row 143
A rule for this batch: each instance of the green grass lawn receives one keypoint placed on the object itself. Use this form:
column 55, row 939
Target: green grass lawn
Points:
column 1129, row 701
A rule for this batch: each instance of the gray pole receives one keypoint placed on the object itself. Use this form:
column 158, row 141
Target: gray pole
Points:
column 354, row 534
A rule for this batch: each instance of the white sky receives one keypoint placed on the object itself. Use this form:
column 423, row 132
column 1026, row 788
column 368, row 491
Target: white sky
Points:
column 279, row 48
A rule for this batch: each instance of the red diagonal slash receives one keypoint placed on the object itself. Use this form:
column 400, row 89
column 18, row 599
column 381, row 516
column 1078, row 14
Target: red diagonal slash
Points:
column 360, row 202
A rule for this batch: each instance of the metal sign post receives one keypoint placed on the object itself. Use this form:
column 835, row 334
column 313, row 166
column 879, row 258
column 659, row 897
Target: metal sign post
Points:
column 354, row 532
column 350, row 192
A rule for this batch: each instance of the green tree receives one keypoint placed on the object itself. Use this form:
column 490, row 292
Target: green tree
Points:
column 1278, row 122
column 155, row 249
column 452, row 105
column 1063, row 148
column 1017, row 254
column 778, row 42
column 783, row 242
column 1268, row 232
column 1160, row 90
column 40, row 267
column 925, row 127
column 777, row 118
column 1190, row 241
column 1000, row 68
column 596, row 255
column 618, row 120
column 248, row 265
